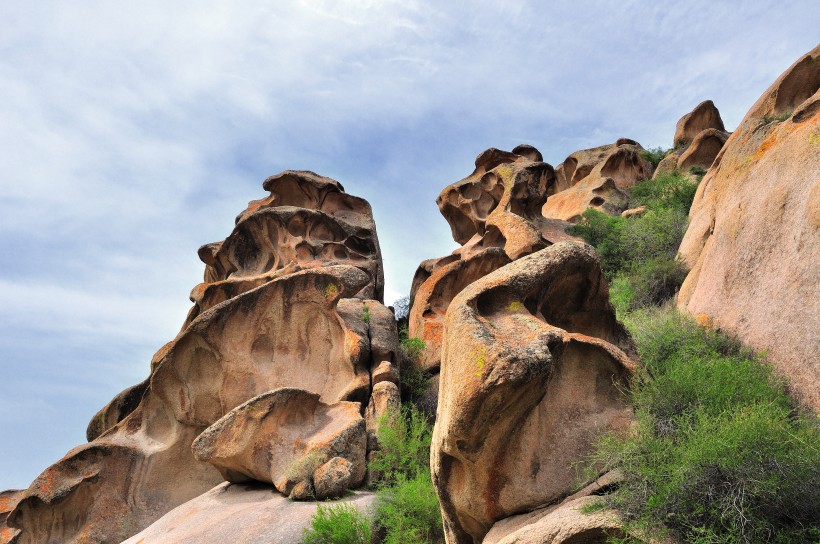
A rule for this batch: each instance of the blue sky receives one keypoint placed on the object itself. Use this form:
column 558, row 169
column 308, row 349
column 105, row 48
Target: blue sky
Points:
column 132, row 133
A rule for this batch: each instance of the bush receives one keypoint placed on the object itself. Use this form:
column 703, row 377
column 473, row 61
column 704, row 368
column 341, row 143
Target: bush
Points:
column 719, row 455
column 671, row 190
column 649, row 283
column 409, row 512
column 404, row 446
column 338, row 524
column 654, row 155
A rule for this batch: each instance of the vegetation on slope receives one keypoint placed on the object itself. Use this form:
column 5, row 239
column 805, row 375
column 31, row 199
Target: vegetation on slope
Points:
column 719, row 455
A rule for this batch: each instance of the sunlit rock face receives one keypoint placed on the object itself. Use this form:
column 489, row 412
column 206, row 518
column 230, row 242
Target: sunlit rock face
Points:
column 285, row 312
column 533, row 368
column 753, row 242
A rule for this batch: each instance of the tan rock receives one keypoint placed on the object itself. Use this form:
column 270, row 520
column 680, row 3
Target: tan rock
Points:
column 116, row 410
column 753, row 243
column 267, row 437
column 567, row 523
column 385, row 396
column 533, row 369
column 704, row 116
column 239, row 514
column 333, row 478
column 640, row 210
column 703, row 149
column 597, row 178
column 269, row 317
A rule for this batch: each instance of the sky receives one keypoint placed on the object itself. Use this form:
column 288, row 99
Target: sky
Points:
column 134, row 132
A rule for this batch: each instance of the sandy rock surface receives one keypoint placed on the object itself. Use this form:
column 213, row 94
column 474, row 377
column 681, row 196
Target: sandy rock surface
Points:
column 753, row 243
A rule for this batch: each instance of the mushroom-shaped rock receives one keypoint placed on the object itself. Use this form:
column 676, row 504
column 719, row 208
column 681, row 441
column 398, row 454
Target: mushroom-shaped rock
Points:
column 704, row 116
column 754, row 231
column 281, row 436
column 597, row 178
column 533, row 369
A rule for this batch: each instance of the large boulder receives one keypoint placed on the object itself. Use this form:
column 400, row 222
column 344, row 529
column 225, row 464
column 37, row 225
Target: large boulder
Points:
column 271, row 314
column 704, row 116
column 533, row 369
column 753, row 242
column 240, row 514
column 282, row 437
column 699, row 137
column 597, row 178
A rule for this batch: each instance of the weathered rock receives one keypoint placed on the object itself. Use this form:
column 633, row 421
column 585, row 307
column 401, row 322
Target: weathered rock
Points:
column 495, row 214
column 333, row 478
column 703, row 149
column 116, row 410
column 385, row 396
column 753, row 243
column 268, row 317
column 533, row 369
column 271, row 436
column 239, row 514
column 704, row 116
column 640, row 210
column 597, row 178
column 8, row 500
column 565, row 523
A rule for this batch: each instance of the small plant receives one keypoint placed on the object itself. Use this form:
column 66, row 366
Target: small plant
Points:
column 366, row 314
column 338, row 524
column 592, row 507
column 654, row 155
column 303, row 467
column 777, row 118
column 698, row 171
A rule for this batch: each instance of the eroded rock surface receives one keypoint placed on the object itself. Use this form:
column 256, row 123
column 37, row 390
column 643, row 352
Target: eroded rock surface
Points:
column 597, row 178
column 239, row 514
column 753, row 243
column 282, row 436
column 272, row 313
column 495, row 213
column 533, row 369
column 699, row 137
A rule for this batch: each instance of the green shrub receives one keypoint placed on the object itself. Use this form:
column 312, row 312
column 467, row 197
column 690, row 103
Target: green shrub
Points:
column 338, row 524
column 671, row 190
column 649, row 283
column 404, row 445
column 409, row 511
column 654, row 155
column 366, row 314
column 604, row 232
column 698, row 171
column 719, row 456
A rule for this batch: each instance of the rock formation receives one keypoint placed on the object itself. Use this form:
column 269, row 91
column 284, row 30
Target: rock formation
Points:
column 533, row 369
column 238, row 513
column 495, row 213
column 597, row 178
column 699, row 137
column 753, row 243
column 270, row 327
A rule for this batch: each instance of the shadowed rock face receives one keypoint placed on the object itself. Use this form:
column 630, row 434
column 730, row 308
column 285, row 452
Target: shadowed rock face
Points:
column 753, row 242
column 495, row 213
column 270, row 315
column 597, row 178
column 533, row 367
